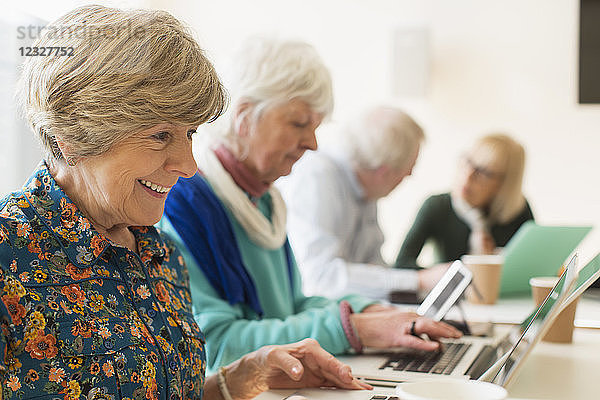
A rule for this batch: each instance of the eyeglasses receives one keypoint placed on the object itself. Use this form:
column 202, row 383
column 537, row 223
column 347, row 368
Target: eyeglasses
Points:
column 482, row 172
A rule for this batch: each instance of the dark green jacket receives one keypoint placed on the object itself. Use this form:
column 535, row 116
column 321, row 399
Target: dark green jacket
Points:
column 437, row 222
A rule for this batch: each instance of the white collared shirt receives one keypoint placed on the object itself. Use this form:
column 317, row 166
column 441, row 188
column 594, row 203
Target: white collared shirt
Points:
column 334, row 232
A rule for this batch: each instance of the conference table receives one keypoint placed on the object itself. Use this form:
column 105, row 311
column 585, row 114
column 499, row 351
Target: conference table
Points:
column 553, row 371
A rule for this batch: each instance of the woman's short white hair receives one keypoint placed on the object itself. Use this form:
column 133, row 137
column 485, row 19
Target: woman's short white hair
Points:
column 270, row 71
column 126, row 70
column 501, row 153
column 382, row 136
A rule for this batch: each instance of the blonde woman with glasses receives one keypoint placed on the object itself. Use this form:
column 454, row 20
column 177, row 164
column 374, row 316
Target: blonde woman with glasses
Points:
column 482, row 212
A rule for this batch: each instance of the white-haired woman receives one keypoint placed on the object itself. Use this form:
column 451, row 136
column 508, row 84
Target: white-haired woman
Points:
column 95, row 301
column 483, row 211
column 232, row 220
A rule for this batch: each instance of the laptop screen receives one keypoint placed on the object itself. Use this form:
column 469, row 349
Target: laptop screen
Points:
column 446, row 292
column 536, row 325
column 537, row 250
column 586, row 277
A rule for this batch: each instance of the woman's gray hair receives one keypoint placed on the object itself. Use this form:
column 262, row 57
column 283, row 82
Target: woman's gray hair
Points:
column 129, row 70
column 501, row 153
column 269, row 71
column 382, row 136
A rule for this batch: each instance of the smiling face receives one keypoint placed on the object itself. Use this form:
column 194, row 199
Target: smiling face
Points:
column 128, row 184
column 279, row 138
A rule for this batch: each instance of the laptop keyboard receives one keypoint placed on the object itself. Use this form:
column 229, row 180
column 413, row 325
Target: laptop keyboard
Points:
column 436, row 362
column 382, row 397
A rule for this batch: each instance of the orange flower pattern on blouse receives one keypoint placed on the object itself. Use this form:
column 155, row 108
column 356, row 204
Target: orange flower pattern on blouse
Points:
column 82, row 318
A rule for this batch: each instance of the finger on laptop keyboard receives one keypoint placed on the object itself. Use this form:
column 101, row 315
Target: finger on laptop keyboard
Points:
column 418, row 343
column 435, row 330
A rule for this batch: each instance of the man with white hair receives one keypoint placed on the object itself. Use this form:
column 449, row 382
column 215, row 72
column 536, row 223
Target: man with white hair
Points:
column 332, row 196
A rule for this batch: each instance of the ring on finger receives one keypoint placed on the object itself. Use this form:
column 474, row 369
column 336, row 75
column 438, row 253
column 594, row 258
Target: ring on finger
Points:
column 412, row 328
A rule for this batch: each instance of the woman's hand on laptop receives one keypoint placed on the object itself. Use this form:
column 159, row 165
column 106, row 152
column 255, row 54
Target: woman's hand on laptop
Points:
column 395, row 328
column 378, row 307
column 296, row 365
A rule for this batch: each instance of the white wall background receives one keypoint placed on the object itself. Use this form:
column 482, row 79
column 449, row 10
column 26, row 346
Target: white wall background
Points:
column 494, row 65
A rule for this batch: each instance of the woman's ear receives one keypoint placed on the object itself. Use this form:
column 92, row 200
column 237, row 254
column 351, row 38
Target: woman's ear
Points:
column 62, row 147
column 62, row 151
column 242, row 119
column 381, row 171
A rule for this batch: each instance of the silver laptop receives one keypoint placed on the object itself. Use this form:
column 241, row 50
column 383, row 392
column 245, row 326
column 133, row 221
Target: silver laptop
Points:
column 502, row 371
column 586, row 278
column 467, row 358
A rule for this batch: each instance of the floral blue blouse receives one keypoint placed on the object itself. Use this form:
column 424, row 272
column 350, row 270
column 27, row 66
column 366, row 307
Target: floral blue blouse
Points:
column 83, row 318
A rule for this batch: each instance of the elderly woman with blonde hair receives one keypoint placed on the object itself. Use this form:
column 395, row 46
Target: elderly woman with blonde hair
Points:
column 483, row 211
column 246, row 287
column 96, row 301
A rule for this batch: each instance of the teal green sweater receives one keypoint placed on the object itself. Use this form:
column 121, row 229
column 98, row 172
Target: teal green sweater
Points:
column 234, row 330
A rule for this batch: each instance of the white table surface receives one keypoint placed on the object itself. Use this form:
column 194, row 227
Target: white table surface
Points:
column 551, row 372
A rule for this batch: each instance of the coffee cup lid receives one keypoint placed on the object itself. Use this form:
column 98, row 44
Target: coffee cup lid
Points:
column 543, row 281
column 482, row 259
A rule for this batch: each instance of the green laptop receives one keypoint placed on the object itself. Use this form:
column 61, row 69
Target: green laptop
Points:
column 537, row 250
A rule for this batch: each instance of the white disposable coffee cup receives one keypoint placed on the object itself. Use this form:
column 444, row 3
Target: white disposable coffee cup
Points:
column 487, row 271
column 561, row 330
column 450, row 389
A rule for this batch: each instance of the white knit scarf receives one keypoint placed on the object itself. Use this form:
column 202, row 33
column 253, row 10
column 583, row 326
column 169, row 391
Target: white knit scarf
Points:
column 473, row 217
column 264, row 233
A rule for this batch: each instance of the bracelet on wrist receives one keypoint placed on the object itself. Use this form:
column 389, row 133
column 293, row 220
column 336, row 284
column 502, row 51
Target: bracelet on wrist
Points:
column 348, row 326
column 223, row 384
